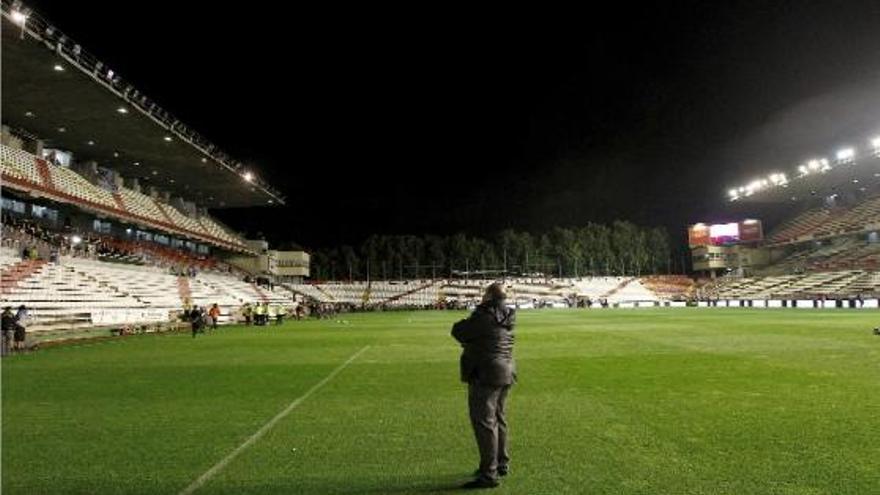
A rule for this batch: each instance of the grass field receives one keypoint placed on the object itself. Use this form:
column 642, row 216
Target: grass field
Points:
column 690, row 401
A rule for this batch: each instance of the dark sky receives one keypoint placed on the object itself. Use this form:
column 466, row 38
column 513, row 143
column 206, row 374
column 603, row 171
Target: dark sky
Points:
column 434, row 121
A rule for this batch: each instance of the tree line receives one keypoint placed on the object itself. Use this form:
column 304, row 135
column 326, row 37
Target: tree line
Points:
column 622, row 248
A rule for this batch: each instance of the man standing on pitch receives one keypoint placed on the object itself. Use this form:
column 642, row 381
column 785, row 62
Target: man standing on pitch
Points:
column 487, row 366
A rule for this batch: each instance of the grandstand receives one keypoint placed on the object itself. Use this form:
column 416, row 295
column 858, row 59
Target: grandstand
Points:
column 107, row 197
column 827, row 248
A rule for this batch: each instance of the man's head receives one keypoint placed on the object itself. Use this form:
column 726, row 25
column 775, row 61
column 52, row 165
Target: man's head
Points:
column 494, row 294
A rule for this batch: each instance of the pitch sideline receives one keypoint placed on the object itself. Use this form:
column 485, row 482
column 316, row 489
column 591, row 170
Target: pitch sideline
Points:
column 201, row 480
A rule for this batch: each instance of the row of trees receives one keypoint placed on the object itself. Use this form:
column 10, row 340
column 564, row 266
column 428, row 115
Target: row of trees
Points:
column 620, row 249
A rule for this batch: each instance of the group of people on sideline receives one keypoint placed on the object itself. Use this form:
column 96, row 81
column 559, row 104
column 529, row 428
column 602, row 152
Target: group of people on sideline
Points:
column 262, row 313
column 14, row 329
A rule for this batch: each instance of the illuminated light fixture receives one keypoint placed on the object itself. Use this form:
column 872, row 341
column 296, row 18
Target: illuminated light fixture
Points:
column 171, row 181
column 855, row 181
column 814, row 165
column 824, row 165
column 115, row 154
column 90, row 143
column 58, row 68
column 875, row 143
column 122, row 110
column 803, row 170
column 270, row 201
column 155, row 172
column 128, row 231
column 247, row 176
column 167, row 139
column 137, row 164
column 19, row 17
column 733, row 193
column 846, row 154
column 29, row 114
column 62, row 129
column 75, row 240
column 204, row 160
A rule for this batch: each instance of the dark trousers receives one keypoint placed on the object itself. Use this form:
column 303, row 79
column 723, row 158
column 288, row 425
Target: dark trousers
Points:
column 489, row 420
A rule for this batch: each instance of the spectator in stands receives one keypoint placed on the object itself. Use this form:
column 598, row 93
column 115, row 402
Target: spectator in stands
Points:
column 214, row 313
column 487, row 366
column 20, row 333
column 7, row 323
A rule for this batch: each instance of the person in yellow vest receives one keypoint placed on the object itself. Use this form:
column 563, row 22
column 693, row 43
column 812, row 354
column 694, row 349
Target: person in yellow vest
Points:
column 259, row 314
column 270, row 312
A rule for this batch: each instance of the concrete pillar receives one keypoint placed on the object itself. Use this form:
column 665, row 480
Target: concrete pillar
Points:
column 38, row 148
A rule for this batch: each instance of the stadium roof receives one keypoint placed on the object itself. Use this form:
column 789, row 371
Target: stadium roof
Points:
column 58, row 92
column 850, row 169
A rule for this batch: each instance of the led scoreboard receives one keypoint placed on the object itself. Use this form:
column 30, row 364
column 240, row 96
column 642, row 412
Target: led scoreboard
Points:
column 720, row 234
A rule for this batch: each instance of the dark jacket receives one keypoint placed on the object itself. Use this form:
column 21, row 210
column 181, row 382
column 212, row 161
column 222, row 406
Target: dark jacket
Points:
column 487, row 340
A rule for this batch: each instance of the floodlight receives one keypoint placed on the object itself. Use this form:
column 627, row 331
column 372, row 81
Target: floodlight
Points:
column 58, row 68
column 813, row 164
column 247, row 176
column 875, row 143
column 803, row 170
column 167, row 139
column 122, row 110
column 19, row 17
column 75, row 240
column 846, row 154
column 733, row 193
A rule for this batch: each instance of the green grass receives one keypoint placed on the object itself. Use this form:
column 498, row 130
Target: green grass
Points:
column 691, row 401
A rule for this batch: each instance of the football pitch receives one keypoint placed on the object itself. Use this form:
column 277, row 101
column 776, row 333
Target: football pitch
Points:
column 684, row 401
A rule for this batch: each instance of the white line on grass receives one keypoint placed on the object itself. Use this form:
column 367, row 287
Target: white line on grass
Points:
column 201, row 480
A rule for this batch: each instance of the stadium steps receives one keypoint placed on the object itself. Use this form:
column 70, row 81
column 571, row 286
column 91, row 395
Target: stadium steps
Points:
column 618, row 288
column 45, row 173
column 120, row 203
column 260, row 293
column 324, row 292
column 420, row 288
column 183, row 289
column 15, row 273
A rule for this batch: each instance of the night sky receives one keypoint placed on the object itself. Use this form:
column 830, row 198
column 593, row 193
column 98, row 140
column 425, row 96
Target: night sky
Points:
column 434, row 121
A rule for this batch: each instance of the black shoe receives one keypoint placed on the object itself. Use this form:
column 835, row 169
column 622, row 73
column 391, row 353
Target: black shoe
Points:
column 502, row 471
column 481, row 482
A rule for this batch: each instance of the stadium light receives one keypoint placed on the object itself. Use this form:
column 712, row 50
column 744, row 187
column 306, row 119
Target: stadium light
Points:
column 814, row 165
column 90, row 143
column 58, row 68
column 803, row 170
column 846, row 154
column 167, row 139
column 19, row 17
column 247, row 176
column 122, row 110
column 733, row 193
column 875, row 143
column 75, row 240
